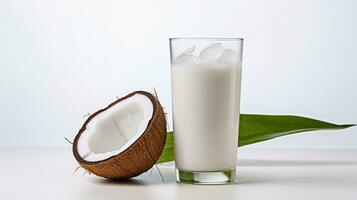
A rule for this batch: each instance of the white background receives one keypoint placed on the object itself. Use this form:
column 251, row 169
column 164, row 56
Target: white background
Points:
column 62, row 59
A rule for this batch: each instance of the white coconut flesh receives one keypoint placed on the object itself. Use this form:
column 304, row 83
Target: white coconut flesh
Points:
column 115, row 129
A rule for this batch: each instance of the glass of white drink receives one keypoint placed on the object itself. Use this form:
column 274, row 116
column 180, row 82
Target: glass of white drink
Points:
column 206, row 82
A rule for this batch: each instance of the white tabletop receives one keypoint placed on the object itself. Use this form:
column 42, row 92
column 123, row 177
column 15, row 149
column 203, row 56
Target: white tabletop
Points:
column 272, row 174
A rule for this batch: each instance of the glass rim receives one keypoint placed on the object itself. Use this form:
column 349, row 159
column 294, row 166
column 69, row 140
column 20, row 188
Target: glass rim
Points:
column 207, row 38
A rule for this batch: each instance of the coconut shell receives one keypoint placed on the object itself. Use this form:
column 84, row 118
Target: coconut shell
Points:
column 138, row 157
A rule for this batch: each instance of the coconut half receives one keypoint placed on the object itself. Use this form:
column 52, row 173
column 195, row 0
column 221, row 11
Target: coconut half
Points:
column 124, row 139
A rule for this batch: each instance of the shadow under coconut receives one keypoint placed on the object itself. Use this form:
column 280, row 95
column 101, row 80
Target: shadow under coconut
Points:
column 155, row 176
column 106, row 181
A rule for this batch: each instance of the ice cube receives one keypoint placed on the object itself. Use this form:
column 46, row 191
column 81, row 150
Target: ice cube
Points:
column 184, row 58
column 211, row 52
column 228, row 56
column 190, row 50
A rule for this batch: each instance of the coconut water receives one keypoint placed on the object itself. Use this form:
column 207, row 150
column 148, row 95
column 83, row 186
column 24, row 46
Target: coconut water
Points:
column 206, row 94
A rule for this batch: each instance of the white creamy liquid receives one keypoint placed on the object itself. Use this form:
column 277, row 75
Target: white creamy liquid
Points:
column 206, row 115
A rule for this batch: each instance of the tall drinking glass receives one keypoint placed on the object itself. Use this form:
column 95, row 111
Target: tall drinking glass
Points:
column 206, row 83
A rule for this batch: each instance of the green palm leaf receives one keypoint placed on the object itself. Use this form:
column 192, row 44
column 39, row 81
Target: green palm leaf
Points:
column 258, row 128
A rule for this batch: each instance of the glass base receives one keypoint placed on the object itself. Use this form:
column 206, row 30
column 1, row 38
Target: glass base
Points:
column 208, row 178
